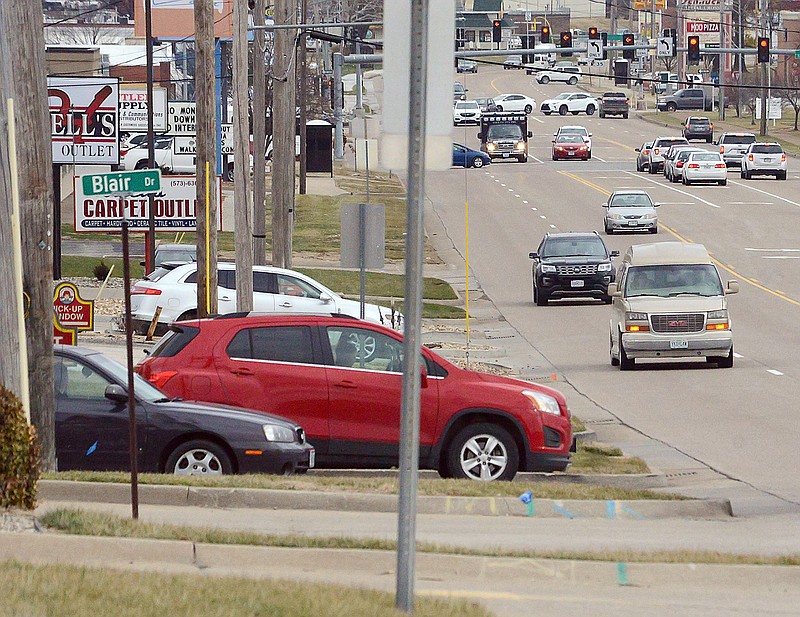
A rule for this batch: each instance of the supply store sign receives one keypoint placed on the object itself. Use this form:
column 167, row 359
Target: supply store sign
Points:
column 175, row 207
column 84, row 119
column 133, row 110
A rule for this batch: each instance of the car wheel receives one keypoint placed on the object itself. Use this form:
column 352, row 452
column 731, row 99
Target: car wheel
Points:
column 672, row 107
column 141, row 165
column 541, row 298
column 686, row 181
column 625, row 116
column 199, row 458
column 528, row 109
column 477, row 162
column 572, row 80
column 499, row 108
column 782, row 175
column 651, row 169
column 590, row 109
column 709, row 140
column 601, row 114
column 562, row 111
column 614, row 361
column 545, row 79
column 638, row 166
column 547, row 113
column 609, row 230
column 675, row 179
column 744, row 174
column 625, row 363
column 723, row 182
column 725, row 361
column 229, row 173
column 483, row 452
column 589, row 155
column 522, row 159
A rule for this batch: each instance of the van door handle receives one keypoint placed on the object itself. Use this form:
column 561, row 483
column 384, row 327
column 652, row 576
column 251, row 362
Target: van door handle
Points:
column 226, row 298
column 242, row 371
column 286, row 304
column 346, row 384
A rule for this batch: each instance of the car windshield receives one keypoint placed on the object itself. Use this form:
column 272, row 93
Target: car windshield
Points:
column 504, row 131
column 563, row 95
column 673, row 280
column 631, row 200
column 739, row 139
column 767, row 149
column 574, row 247
column 569, row 139
column 469, row 105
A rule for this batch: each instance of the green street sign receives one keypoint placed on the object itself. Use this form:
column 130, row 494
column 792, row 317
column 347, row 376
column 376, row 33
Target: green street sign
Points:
column 797, row 54
column 614, row 37
column 141, row 181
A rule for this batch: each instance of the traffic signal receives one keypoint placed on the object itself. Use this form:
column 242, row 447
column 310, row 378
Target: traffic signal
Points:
column 763, row 49
column 566, row 41
column 544, row 34
column 674, row 34
column 593, row 33
column 604, row 38
column 497, row 31
column 693, row 44
column 628, row 39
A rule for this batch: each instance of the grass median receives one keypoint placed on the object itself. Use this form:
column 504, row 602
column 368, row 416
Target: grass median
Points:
column 70, row 590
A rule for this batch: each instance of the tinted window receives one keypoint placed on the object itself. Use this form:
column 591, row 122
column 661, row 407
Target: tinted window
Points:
column 569, row 139
column 631, row 200
column 739, row 139
column 174, row 341
column 699, row 122
column 666, row 143
column 571, row 247
column 365, row 349
column 504, row 131
column 293, row 286
column 262, row 282
column 771, row 149
column 277, row 343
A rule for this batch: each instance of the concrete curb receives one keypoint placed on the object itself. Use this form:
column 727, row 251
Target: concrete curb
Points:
column 57, row 490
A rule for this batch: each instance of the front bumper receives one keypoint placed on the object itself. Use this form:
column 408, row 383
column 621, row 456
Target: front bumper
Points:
column 561, row 286
column 277, row 458
column 689, row 135
column 697, row 345
column 631, row 225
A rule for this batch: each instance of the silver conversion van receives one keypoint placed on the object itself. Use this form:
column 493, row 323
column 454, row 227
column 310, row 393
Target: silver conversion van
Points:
column 669, row 302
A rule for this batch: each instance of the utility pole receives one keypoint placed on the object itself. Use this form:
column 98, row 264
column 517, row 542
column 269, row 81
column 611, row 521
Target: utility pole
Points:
column 25, row 82
column 150, row 249
column 206, row 188
column 303, row 97
column 283, row 134
column 764, row 68
column 338, row 133
column 721, row 71
column 243, row 206
column 259, row 137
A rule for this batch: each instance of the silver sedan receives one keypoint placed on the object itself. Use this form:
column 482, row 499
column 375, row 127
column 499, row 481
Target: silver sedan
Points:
column 630, row 210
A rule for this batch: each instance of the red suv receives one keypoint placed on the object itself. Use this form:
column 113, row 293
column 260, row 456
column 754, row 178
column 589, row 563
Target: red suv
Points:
column 340, row 379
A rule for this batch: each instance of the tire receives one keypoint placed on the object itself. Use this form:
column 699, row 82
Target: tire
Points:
column 229, row 173
column 609, row 230
column 141, row 165
column 199, row 457
column 547, row 113
column 528, row 109
column 545, row 79
column 601, row 115
column 522, row 159
column 614, row 361
column 588, row 156
column 685, row 181
column 477, row 162
column 651, row 170
column 781, row 175
column 499, row 108
column 562, row 111
column 672, row 107
column 187, row 315
column 625, row 116
column 590, row 109
column 572, row 80
column 638, row 167
column 675, row 179
column 743, row 174
column 723, row 182
column 483, row 440
column 541, row 298
column 725, row 361
column 625, row 363
column 709, row 140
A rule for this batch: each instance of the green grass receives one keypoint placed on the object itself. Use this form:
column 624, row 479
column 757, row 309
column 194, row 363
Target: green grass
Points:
column 442, row 311
column 72, row 266
column 70, row 590
column 380, row 284
column 78, row 522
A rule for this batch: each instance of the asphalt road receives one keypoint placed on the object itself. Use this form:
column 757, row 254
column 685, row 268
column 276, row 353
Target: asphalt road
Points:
column 740, row 422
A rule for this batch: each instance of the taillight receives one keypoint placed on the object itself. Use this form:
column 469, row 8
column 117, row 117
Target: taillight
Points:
column 750, row 158
column 783, row 158
column 693, row 166
column 159, row 380
column 722, row 149
column 145, row 291
column 720, row 165
column 711, row 126
column 123, row 151
column 679, row 164
column 646, row 152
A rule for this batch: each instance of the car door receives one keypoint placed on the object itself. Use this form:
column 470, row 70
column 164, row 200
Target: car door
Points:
column 459, row 156
column 92, row 432
column 296, row 295
column 365, row 395
column 513, row 103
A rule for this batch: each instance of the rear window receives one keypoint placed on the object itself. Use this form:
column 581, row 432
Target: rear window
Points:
column 706, row 156
column 739, row 139
column 174, row 341
column 699, row 121
column 666, row 143
column 276, row 343
column 767, row 149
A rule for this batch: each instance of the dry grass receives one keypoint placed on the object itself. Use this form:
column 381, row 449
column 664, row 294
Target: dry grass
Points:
column 58, row 590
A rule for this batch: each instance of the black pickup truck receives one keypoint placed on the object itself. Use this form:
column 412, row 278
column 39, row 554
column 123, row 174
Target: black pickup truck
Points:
column 614, row 104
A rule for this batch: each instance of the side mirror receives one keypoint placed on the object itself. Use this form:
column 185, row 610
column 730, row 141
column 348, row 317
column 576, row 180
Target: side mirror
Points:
column 115, row 392
column 533, row 255
column 638, row 149
column 613, row 291
column 480, row 135
column 732, row 287
column 590, row 134
column 141, row 263
column 553, row 140
column 604, row 205
column 530, row 134
column 325, row 298
column 614, row 253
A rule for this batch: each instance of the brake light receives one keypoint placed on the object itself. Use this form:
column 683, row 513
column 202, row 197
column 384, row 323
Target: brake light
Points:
column 693, row 166
column 711, row 126
column 783, row 158
column 655, row 150
column 750, row 157
column 646, row 152
column 722, row 149
column 679, row 164
column 145, row 291
column 159, row 380
column 720, row 165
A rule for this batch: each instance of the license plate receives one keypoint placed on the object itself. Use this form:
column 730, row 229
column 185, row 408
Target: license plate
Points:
column 311, row 458
column 767, row 160
column 680, row 343
column 632, row 223
column 505, row 155
column 576, row 283
column 571, row 153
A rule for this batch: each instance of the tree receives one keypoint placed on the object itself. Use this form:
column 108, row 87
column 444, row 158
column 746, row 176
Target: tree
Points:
column 86, row 34
column 789, row 91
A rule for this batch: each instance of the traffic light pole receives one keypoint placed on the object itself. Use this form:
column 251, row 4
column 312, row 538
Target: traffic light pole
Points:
column 764, row 65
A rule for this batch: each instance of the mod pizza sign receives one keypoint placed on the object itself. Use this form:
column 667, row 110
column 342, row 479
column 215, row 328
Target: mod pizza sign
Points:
column 84, row 119
column 175, row 207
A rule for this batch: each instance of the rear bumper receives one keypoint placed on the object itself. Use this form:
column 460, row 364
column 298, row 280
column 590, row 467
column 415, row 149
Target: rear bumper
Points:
column 765, row 171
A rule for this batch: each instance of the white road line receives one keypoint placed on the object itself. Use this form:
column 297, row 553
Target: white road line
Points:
column 672, row 188
column 737, row 355
column 537, row 160
column 677, row 203
column 774, row 372
column 599, row 159
column 516, row 196
column 542, row 216
column 501, row 184
column 774, row 250
column 510, row 190
column 524, row 201
column 535, row 209
column 611, row 177
column 752, row 188
column 537, row 119
column 751, row 203
column 781, row 257
column 552, row 226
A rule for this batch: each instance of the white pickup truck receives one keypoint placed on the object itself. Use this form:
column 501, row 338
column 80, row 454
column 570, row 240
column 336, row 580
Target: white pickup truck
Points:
column 172, row 154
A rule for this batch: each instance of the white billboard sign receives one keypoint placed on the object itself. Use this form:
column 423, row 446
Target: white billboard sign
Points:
column 133, row 109
column 175, row 207
column 181, row 118
column 84, row 120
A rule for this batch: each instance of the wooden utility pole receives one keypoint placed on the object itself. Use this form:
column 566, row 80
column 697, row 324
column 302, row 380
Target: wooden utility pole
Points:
column 24, row 75
column 205, row 93
column 259, row 138
column 243, row 206
column 283, row 134
column 303, row 96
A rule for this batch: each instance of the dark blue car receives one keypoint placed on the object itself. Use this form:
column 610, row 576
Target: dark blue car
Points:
column 467, row 157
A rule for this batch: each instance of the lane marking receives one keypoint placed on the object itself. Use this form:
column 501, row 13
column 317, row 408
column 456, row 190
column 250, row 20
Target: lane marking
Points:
column 621, row 145
column 536, row 159
column 752, row 188
column 751, row 203
column 774, row 250
column 737, row 355
column 781, row 257
column 677, row 203
column 524, row 201
column 599, row 159
column 552, row 226
column 539, row 120
column 774, row 372
column 516, row 196
column 542, row 216
column 502, row 184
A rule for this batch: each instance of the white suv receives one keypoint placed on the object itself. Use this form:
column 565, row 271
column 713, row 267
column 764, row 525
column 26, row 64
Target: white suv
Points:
column 764, row 159
column 569, row 73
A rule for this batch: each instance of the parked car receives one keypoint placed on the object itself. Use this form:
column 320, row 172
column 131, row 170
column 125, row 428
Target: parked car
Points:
column 698, row 127
column 732, row 146
column 570, row 146
column 466, row 66
column 577, row 130
column 643, row 156
column 172, row 154
column 513, row 62
column 764, row 159
column 571, row 74
column 630, row 210
column 686, row 98
column 514, row 102
column 466, row 112
column 174, row 253
column 467, row 157
column 673, row 168
column 614, row 104
column 174, row 436
column 275, row 290
column 459, row 92
column 705, row 167
column 570, row 102
column 572, row 265
column 669, row 302
column 655, row 160
column 487, row 105
column 341, row 379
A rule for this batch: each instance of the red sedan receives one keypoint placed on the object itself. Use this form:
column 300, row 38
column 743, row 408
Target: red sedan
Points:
column 570, row 147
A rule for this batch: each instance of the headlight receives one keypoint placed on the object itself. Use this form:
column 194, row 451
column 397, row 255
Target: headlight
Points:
column 548, row 268
column 491, row 147
column 279, row 434
column 615, row 217
column 630, row 316
column 542, row 402
column 604, row 268
column 520, row 145
column 721, row 314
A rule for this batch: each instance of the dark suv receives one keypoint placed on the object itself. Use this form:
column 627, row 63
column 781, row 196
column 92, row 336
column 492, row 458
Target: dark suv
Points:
column 340, row 378
column 572, row 265
column 698, row 127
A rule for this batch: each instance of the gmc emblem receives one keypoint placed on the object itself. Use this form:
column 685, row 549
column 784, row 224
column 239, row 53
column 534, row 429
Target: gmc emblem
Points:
column 677, row 323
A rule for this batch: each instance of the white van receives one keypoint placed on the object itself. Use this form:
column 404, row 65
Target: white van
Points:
column 542, row 59
column 668, row 302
